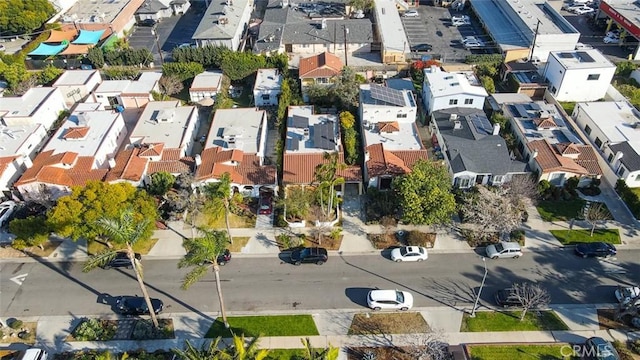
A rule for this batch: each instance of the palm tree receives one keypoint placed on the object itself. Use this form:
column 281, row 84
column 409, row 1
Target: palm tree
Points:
column 127, row 230
column 202, row 254
column 240, row 350
column 208, row 351
column 327, row 179
column 220, row 195
column 330, row 353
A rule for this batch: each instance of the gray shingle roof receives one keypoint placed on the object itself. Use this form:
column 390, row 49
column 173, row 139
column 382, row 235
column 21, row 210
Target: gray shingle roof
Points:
column 151, row 7
column 630, row 158
column 209, row 28
column 472, row 149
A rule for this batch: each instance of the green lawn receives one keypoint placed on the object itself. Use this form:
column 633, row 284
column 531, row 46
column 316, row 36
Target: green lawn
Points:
column 285, row 354
column 568, row 106
column 560, row 210
column 252, row 326
column 511, row 352
column 510, row 321
column 572, row 237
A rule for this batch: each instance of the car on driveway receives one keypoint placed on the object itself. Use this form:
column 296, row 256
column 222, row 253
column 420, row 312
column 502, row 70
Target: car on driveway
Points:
column 147, row 22
column 584, row 10
column 595, row 249
column 121, row 260
column 571, row 7
column 599, row 349
column 6, row 210
column 389, row 300
column 315, row 255
column 421, row 47
column 504, row 250
column 409, row 253
column 507, row 298
column 265, row 206
column 135, row 305
column 473, row 44
column 624, row 295
column 411, row 13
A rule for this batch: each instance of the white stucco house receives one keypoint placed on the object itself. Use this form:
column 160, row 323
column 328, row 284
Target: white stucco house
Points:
column 205, row 85
column 41, row 105
column 614, row 129
column 578, row 75
column 267, row 87
column 223, row 24
column 75, row 85
column 130, row 94
column 19, row 146
column 444, row 90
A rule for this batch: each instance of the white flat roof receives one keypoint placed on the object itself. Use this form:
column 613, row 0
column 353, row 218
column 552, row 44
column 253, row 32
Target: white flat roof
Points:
column 207, row 80
column 406, row 138
column 74, row 77
column 390, row 27
column 301, row 117
column 95, row 11
column 268, row 79
column 243, row 124
column 12, row 138
column 88, row 106
column 98, row 122
column 582, row 59
column 152, row 129
column 445, row 84
column 614, row 118
column 26, row 104
column 112, row 86
column 144, row 84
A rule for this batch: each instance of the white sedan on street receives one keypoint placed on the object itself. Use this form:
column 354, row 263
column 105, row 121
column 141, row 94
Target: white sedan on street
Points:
column 626, row 294
column 389, row 300
column 409, row 253
column 6, row 209
column 411, row 13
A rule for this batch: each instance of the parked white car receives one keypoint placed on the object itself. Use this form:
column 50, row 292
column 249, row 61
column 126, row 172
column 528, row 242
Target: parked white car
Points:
column 473, row 44
column 504, row 250
column 627, row 294
column 611, row 40
column 6, row 209
column 411, row 13
column 571, row 7
column 613, row 33
column 389, row 300
column 460, row 20
column 581, row 46
column 409, row 253
column 584, row 10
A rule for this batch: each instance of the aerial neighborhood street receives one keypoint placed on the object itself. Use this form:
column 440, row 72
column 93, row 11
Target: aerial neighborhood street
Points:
column 321, row 180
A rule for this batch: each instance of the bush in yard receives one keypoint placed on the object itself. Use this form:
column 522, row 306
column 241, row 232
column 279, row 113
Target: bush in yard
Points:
column 183, row 71
column 625, row 354
column 517, row 236
column 16, row 324
column 629, row 197
column 94, row 330
column 418, row 238
column 635, row 346
column 144, row 330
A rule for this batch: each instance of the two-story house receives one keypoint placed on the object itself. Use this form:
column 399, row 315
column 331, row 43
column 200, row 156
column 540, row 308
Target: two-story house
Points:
column 267, row 87
column 75, row 85
column 127, row 93
column 40, row 105
column 318, row 70
column 445, row 90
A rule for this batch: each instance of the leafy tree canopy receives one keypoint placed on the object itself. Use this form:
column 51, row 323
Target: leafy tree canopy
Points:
column 76, row 215
column 425, row 195
column 239, row 65
column 20, row 16
column 161, row 182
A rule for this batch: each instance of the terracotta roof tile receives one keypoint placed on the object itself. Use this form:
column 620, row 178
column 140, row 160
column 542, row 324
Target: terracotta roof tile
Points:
column 247, row 170
column 321, row 65
column 149, row 150
column 182, row 166
column 588, row 159
column 300, row 168
column 129, row 166
column 76, row 132
column 68, row 158
column 388, row 127
column 4, row 163
column 567, row 149
column 53, row 169
column 545, row 123
column 392, row 162
column 171, row 154
column 551, row 160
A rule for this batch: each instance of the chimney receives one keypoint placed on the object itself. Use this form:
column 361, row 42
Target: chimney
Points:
column 457, row 125
column 453, row 117
column 323, row 24
column 535, row 154
column 198, row 160
column 496, row 129
column 618, row 156
column 306, row 133
column 366, row 156
column 111, row 162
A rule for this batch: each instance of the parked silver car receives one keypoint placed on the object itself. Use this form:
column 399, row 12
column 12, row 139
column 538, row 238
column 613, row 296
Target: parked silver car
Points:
column 504, row 250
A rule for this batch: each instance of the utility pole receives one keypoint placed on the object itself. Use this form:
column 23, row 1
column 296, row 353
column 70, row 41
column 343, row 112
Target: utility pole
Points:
column 346, row 31
column 475, row 304
column 535, row 37
column 155, row 35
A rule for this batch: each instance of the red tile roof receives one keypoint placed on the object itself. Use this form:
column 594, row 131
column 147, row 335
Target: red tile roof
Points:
column 5, row 161
column 129, row 166
column 321, row 65
column 388, row 127
column 150, row 150
column 59, row 169
column 300, row 168
column 76, row 132
column 181, row 166
column 245, row 169
column 550, row 159
column 392, row 162
column 545, row 123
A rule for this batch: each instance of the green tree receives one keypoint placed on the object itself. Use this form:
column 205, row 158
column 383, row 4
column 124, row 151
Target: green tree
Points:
column 349, row 137
column 19, row 16
column 296, row 204
column 347, row 120
column 240, row 349
column 425, row 195
column 283, row 104
column 14, row 73
column 161, row 182
column 96, row 57
column 76, row 215
column 326, row 178
column 48, row 74
column 239, row 65
column 126, row 229
column 219, row 200
column 202, row 254
column 32, row 231
column 208, row 351
column 310, row 353
column 170, row 85
column 361, row 4
column 347, row 88
column 488, row 84
column 183, row 71
column 279, row 61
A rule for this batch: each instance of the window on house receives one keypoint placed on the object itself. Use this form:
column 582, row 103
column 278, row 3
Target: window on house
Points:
column 401, row 116
column 497, row 179
column 265, row 96
column 610, row 157
column 638, row 177
column 468, row 101
column 463, row 183
column 598, row 142
column 620, row 171
column 305, row 45
column 587, row 129
column 593, row 77
column 322, row 80
column 385, row 183
column 553, row 89
column 453, row 101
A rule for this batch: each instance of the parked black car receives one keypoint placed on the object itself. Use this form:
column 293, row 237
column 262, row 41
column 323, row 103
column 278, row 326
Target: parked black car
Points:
column 121, row 260
column 316, row 255
column 147, row 22
column 223, row 258
column 507, row 298
column 421, row 47
column 599, row 349
column 135, row 305
column 595, row 249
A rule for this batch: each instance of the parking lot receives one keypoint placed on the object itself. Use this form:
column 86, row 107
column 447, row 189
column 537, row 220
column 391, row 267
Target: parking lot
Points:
column 433, row 27
column 171, row 32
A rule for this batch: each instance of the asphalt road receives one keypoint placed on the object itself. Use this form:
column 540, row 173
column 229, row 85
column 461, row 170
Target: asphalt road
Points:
column 262, row 284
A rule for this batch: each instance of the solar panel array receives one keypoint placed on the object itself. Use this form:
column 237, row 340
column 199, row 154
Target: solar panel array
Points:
column 387, row 95
column 300, row 122
column 293, row 144
column 481, row 123
column 584, row 57
column 323, row 136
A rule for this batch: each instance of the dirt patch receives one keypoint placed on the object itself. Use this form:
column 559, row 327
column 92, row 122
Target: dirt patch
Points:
column 327, row 242
column 25, row 334
column 607, row 320
column 48, row 248
column 383, row 241
column 393, row 323
column 380, row 353
column 402, row 238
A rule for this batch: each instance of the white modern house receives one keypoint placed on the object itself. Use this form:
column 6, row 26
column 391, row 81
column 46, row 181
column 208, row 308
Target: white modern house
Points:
column 75, row 85
column 205, row 85
column 390, row 137
column 19, row 145
column 130, row 94
column 267, row 87
column 444, row 90
column 578, row 75
column 40, row 105
column 224, row 23
column 614, row 129
column 237, row 148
